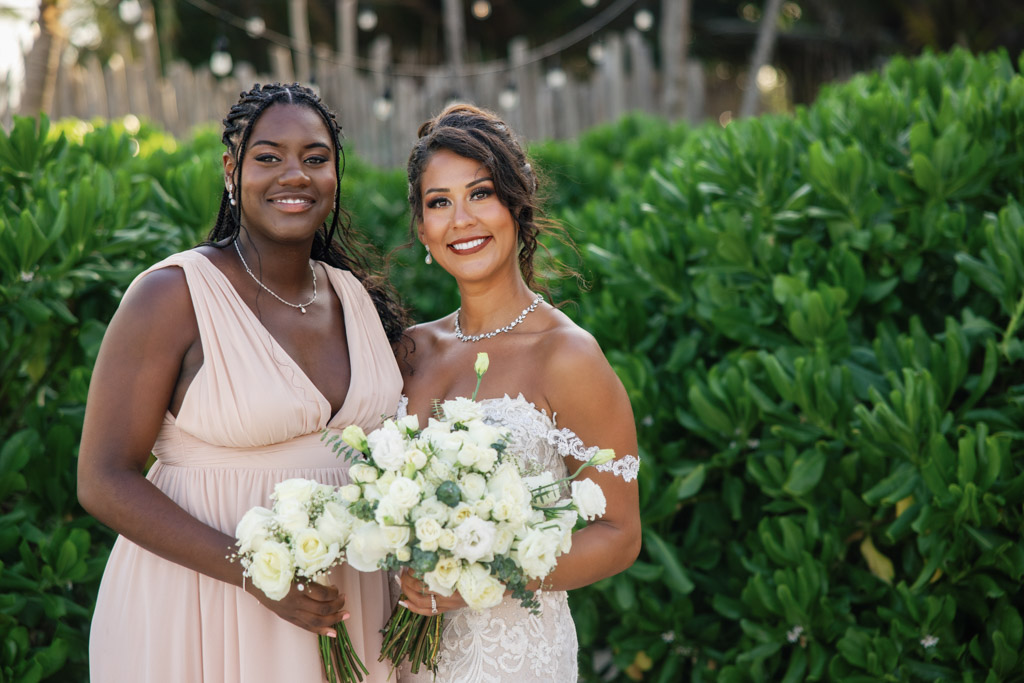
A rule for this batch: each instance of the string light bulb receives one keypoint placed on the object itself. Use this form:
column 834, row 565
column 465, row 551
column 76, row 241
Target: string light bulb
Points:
column 643, row 20
column 508, row 99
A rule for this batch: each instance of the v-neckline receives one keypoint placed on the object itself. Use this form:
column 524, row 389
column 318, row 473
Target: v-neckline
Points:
column 278, row 347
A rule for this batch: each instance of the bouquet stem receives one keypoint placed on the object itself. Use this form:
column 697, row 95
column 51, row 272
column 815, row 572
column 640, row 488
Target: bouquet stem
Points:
column 341, row 663
column 412, row 636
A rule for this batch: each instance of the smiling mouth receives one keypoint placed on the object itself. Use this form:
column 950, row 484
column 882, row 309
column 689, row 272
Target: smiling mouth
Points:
column 469, row 244
column 292, row 202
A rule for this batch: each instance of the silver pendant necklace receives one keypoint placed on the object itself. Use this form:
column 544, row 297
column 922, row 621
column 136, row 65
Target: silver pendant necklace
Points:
column 301, row 307
column 477, row 337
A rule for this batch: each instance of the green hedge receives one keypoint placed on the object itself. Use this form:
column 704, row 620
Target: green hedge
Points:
column 817, row 318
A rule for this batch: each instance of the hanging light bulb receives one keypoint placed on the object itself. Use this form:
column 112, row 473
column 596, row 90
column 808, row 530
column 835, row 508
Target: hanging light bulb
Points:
column 481, row 9
column 556, row 78
column 144, row 31
column 508, row 99
column 130, row 11
column 643, row 20
column 255, row 26
column 366, row 19
column 588, row 3
column 596, row 52
column 220, row 61
column 383, row 105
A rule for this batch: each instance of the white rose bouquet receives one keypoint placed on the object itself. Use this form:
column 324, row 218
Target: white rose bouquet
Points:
column 448, row 503
column 300, row 539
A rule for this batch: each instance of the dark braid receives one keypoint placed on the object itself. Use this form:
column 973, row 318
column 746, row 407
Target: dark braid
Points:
column 480, row 135
column 336, row 247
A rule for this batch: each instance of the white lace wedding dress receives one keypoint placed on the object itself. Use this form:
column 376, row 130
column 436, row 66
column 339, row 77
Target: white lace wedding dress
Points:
column 506, row 643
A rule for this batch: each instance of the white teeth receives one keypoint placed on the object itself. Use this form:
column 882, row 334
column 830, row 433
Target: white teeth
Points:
column 462, row 246
column 291, row 201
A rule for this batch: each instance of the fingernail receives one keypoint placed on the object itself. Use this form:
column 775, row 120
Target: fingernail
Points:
column 404, row 604
column 345, row 617
column 332, row 634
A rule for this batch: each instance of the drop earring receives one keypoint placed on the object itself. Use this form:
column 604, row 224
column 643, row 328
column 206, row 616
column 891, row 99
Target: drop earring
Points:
column 428, row 260
column 231, row 196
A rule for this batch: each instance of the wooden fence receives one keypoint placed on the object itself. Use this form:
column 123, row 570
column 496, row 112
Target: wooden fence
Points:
column 381, row 107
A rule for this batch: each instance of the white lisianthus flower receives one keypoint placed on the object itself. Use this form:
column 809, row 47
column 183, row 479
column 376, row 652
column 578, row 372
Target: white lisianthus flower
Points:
column 549, row 494
column 462, row 409
column 312, row 555
column 474, row 540
column 385, row 480
column 300, row 490
column 473, row 486
column 536, row 553
column 509, row 510
column 483, row 434
column 272, row 570
column 566, row 522
column 431, row 508
column 292, row 516
column 428, row 531
column 444, row 576
column 366, row 548
column 404, row 492
column 388, row 512
column 387, row 448
column 362, row 473
column 409, row 423
column 447, row 540
column 335, row 523
column 350, row 493
column 416, row 458
column 588, row 498
column 504, row 535
column 435, row 427
column 602, row 456
column 395, row 537
column 253, row 529
column 372, row 492
column 355, row 437
column 505, row 482
column 439, row 470
column 479, row 589
column 482, row 363
column 459, row 514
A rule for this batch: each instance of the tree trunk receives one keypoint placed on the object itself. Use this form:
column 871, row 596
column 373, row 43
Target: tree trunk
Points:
column 675, row 41
column 43, row 61
column 766, row 36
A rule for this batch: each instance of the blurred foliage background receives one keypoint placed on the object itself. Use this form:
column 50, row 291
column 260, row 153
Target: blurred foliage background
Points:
column 818, row 318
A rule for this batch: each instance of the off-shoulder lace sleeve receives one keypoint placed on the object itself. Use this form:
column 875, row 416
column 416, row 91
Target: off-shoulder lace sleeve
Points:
column 567, row 443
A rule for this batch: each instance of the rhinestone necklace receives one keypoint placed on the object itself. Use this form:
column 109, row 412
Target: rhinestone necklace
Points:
column 301, row 307
column 477, row 337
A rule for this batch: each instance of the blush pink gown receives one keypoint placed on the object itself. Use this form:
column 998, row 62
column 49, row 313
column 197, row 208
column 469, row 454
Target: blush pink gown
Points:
column 250, row 419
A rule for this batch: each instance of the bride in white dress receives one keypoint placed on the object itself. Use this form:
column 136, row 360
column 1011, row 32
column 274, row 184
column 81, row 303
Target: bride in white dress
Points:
column 474, row 206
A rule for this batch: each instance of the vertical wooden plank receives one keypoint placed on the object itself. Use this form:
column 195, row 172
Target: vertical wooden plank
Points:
column 640, row 85
column 613, row 78
column 95, row 90
column 298, row 22
column 281, row 69
column 138, row 90
column 522, row 117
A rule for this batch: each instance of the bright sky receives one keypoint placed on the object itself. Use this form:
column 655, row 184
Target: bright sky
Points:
column 15, row 36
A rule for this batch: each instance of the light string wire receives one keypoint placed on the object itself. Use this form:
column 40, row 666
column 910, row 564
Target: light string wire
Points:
column 538, row 54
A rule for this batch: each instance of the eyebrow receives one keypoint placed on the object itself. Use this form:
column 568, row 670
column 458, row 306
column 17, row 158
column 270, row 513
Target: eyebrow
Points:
column 271, row 143
column 468, row 185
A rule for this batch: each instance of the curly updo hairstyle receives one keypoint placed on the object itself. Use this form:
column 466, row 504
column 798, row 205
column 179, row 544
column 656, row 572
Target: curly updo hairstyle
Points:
column 334, row 244
column 478, row 134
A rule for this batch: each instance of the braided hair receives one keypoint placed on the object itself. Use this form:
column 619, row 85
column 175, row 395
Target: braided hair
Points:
column 333, row 244
column 478, row 134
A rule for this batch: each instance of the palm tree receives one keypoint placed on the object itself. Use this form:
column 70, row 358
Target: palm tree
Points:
column 43, row 60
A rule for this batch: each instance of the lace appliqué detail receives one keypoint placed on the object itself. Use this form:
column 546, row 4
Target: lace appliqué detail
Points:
column 567, row 443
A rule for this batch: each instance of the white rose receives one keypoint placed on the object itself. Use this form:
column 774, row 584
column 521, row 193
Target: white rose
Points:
column 335, row 523
column 271, row 569
column 509, row 510
column 253, row 529
column 485, row 463
column 366, row 548
column 409, row 423
column 504, row 535
column 565, row 523
column 483, row 507
column 469, row 454
column 431, row 508
column 483, row 434
column 473, row 486
column 416, row 458
column 299, row 490
column 372, row 492
column 439, row 470
column 536, row 553
column 350, row 493
column 479, row 589
column 292, row 516
column 404, row 492
column 312, row 554
column 462, row 410
column 362, row 473
column 459, row 514
column 588, row 498
column 403, row 554
column 474, row 540
column 428, row 531
column 444, row 576
column 385, row 481
column 395, row 537
column 387, row 447
column 505, row 482
column 446, row 540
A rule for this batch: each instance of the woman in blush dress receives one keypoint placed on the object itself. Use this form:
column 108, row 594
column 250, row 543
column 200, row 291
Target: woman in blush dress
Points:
column 226, row 362
column 473, row 196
